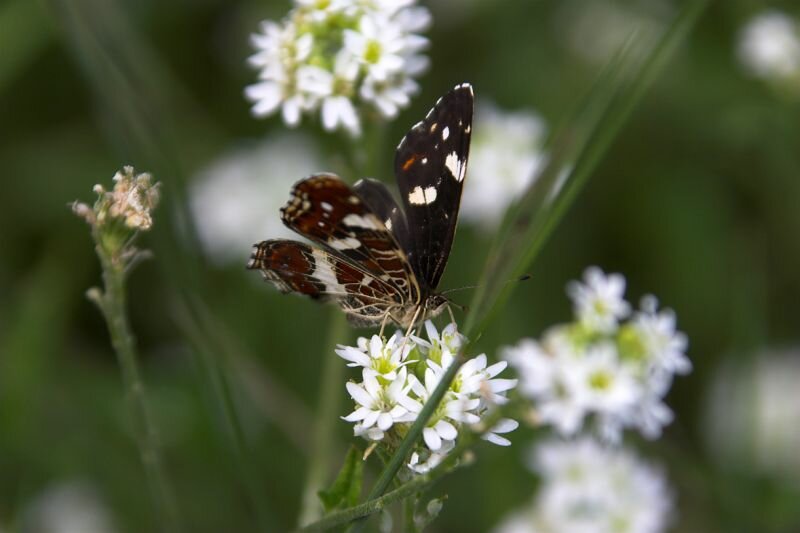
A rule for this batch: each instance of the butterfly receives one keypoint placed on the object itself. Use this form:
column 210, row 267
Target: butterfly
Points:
column 379, row 262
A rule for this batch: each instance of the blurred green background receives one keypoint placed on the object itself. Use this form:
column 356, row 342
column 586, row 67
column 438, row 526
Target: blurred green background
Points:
column 698, row 202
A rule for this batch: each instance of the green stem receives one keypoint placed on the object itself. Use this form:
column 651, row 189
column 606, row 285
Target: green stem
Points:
column 112, row 305
column 331, row 387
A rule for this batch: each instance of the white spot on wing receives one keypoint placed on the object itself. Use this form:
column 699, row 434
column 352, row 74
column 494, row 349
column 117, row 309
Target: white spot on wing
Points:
column 422, row 197
column 326, row 206
column 357, row 221
column 324, row 272
column 348, row 243
column 445, row 133
column 455, row 166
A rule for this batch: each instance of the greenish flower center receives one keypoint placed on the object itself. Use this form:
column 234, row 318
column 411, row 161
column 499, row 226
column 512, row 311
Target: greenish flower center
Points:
column 630, row 344
column 373, row 52
column 600, row 380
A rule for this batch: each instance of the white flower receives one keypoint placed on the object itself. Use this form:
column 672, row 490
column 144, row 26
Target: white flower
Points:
column 378, row 45
column 475, row 379
column 230, row 197
column 68, row 507
column 751, row 414
column 663, row 342
column 431, row 460
column 769, row 46
column 588, row 488
column 602, row 382
column 598, row 302
column 339, row 57
column 378, row 357
column 505, row 156
column 389, row 97
column 380, row 405
column 449, row 341
column 505, row 425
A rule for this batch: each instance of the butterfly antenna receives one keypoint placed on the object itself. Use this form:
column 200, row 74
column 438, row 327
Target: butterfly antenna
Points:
column 526, row 277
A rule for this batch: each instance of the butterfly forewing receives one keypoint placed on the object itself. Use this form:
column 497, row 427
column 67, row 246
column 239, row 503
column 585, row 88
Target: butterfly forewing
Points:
column 326, row 210
column 430, row 166
column 378, row 198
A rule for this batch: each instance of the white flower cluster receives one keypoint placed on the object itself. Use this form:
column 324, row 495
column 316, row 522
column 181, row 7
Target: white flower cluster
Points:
column 132, row 201
column 339, row 57
column 590, row 488
column 610, row 363
column 769, row 47
column 399, row 375
column 505, row 156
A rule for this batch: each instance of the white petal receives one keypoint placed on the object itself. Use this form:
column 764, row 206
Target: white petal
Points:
column 496, row 368
column 496, row 439
column 432, row 439
column 385, row 421
column 358, row 414
column 371, row 418
column 360, row 395
column 505, row 425
column 266, row 97
column 349, row 353
column 446, row 430
column 291, row 111
column 500, row 385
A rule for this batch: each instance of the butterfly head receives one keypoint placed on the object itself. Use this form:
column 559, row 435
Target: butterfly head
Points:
column 435, row 304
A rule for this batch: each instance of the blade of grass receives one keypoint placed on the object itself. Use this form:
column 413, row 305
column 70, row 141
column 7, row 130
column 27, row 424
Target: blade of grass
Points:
column 545, row 203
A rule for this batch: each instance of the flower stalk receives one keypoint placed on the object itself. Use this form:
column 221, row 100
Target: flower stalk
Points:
column 116, row 218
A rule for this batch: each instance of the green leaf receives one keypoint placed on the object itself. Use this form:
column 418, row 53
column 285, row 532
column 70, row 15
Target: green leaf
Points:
column 346, row 488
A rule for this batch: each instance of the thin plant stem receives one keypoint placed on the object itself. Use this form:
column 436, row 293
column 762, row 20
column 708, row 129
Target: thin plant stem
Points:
column 324, row 426
column 112, row 305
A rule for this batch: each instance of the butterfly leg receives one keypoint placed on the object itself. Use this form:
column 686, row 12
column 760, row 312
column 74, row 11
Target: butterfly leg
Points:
column 386, row 317
column 413, row 320
column 452, row 318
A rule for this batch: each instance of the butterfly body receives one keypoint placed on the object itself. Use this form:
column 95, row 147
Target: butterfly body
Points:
column 379, row 262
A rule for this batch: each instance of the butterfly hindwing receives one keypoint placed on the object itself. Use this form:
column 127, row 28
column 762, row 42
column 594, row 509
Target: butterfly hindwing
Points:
column 295, row 267
column 430, row 166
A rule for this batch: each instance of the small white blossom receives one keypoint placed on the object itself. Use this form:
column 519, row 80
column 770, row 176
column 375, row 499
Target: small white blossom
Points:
column 769, row 46
column 589, row 488
column 378, row 357
column 380, row 405
column 751, row 414
column 617, row 374
column 68, row 507
column 662, row 340
column 505, row 157
column 505, row 425
column 599, row 302
column 229, row 197
column 339, row 57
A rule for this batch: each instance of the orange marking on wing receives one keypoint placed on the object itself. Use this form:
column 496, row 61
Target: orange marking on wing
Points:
column 409, row 162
